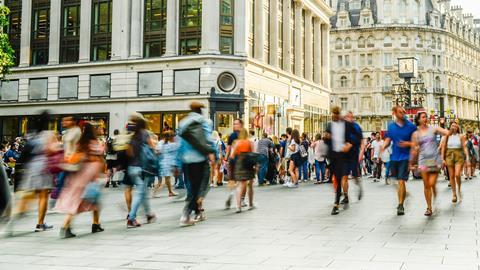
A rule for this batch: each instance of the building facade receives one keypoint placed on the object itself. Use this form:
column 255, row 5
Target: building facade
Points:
column 367, row 38
column 265, row 61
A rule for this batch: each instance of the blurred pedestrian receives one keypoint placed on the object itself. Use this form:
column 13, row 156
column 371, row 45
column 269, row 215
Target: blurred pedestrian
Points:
column 237, row 127
column 264, row 148
column 320, row 152
column 195, row 153
column 82, row 188
column 295, row 159
column 167, row 151
column 111, row 159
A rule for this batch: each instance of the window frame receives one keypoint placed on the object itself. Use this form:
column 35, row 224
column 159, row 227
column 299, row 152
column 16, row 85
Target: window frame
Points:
column 29, row 92
column 67, row 98
column 98, row 38
column 189, row 33
column 155, row 36
column 15, row 33
column 149, row 95
column 39, row 44
column 90, row 86
column 186, row 69
column 18, row 90
column 69, row 42
column 225, row 32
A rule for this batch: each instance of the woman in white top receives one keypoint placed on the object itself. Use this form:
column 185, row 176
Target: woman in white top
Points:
column 454, row 154
column 320, row 149
column 295, row 159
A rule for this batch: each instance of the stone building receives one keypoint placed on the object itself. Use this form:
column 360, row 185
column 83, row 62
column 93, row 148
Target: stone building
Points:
column 264, row 60
column 367, row 38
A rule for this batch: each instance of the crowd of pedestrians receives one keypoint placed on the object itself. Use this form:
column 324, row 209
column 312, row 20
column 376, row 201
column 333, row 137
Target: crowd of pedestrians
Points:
column 71, row 170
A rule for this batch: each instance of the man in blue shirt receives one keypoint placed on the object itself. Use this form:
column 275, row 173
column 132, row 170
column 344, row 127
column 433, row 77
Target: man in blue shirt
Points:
column 400, row 134
column 354, row 157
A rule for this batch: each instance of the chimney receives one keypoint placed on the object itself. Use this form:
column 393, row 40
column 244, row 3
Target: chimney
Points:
column 457, row 11
column 468, row 19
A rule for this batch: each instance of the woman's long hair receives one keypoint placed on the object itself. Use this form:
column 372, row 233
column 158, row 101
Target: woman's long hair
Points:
column 296, row 136
column 417, row 118
column 88, row 134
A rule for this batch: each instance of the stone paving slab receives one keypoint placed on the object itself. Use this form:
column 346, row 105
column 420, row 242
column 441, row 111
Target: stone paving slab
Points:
column 291, row 229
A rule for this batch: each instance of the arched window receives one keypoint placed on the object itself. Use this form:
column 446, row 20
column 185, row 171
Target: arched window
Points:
column 387, row 82
column 419, row 42
column 366, row 81
column 387, row 41
column 348, row 43
column 338, row 44
column 361, row 42
column 439, row 43
column 434, row 43
column 437, row 83
column 404, row 41
column 343, row 81
column 371, row 42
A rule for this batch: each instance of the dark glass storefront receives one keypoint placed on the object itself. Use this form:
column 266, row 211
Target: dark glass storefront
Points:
column 19, row 126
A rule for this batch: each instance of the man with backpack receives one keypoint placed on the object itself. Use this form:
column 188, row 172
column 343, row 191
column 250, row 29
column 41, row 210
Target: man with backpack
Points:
column 111, row 159
column 195, row 153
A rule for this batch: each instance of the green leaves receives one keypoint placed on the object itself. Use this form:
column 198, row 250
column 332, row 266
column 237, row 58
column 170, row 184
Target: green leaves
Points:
column 6, row 50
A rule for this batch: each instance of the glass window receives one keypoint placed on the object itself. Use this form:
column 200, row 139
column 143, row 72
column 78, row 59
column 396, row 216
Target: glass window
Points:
column 37, row 90
column 404, row 41
column 371, row 42
column 150, row 83
column 361, row 42
column 14, row 27
column 226, row 26
column 101, row 40
column 347, row 60
column 40, row 32
column 387, row 59
column 154, row 36
column 387, row 41
column 339, row 61
column 100, row 85
column 344, row 104
column 9, row 90
column 68, row 87
column 348, row 43
column 343, row 81
column 370, row 59
column 190, row 29
column 187, row 81
column 70, row 34
column 366, row 81
column 387, row 81
column 338, row 44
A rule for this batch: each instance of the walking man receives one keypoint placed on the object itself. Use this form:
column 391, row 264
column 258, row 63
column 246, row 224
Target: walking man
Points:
column 354, row 156
column 399, row 133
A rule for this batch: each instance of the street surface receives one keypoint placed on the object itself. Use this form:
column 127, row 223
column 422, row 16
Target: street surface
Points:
column 291, row 229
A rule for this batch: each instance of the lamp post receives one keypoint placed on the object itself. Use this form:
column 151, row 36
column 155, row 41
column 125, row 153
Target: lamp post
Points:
column 409, row 94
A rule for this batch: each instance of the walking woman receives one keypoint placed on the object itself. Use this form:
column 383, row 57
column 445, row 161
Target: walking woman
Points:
column 81, row 190
column 454, row 155
column 36, row 180
column 295, row 159
column 244, row 172
column 320, row 150
column 167, row 151
column 215, row 170
column 425, row 148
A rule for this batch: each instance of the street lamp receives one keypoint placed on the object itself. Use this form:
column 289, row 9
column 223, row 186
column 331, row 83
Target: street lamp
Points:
column 409, row 94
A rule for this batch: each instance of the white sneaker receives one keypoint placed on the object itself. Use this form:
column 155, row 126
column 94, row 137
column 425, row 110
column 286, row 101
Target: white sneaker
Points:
column 292, row 185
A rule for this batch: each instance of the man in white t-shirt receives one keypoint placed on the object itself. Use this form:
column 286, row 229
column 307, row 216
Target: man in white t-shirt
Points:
column 376, row 158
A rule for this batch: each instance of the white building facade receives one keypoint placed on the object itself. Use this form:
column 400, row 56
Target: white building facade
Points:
column 265, row 61
column 368, row 36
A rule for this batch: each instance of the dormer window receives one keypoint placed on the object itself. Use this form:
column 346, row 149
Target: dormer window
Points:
column 366, row 20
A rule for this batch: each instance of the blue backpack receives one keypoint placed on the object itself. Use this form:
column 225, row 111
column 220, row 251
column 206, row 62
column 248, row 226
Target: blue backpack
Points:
column 149, row 160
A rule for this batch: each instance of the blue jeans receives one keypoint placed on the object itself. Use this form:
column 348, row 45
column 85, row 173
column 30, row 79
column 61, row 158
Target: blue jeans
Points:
column 303, row 170
column 387, row 169
column 320, row 167
column 262, row 172
column 141, row 190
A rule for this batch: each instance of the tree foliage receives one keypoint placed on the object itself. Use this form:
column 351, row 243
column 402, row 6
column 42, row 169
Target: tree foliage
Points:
column 6, row 50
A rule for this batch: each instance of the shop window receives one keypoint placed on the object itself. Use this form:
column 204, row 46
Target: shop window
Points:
column 187, row 81
column 9, row 90
column 154, row 36
column 37, row 89
column 226, row 26
column 68, row 87
column 149, row 83
column 100, row 85
column 70, row 34
column 190, row 29
column 40, row 32
column 14, row 27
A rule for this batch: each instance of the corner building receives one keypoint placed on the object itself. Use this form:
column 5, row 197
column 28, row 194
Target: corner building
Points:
column 266, row 61
column 367, row 38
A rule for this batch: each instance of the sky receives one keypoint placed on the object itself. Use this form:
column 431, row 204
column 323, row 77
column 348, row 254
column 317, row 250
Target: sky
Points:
column 469, row 6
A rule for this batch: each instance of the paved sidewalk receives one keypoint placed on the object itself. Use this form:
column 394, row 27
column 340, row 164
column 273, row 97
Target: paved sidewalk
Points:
column 291, row 229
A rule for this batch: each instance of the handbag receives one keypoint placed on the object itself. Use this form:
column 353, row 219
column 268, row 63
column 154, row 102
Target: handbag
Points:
column 74, row 162
column 92, row 192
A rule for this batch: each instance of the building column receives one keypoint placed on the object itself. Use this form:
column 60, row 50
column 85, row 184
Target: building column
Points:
column 136, row 30
column 85, row 30
column 55, row 30
column 308, row 46
column 325, row 55
column 259, row 40
column 26, row 33
column 298, row 38
column 121, row 29
column 210, row 27
column 274, row 33
column 317, row 48
column 171, row 46
column 287, row 36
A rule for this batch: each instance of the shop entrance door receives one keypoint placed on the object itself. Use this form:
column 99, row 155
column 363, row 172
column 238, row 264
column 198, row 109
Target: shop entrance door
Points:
column 224, row 122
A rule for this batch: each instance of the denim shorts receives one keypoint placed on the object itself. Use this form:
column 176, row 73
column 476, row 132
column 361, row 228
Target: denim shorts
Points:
column 399, row 169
